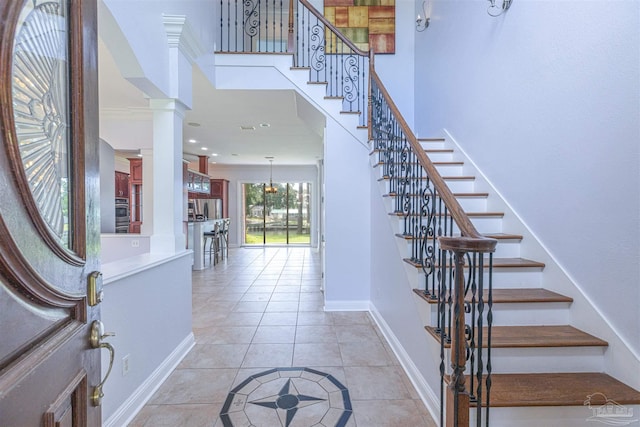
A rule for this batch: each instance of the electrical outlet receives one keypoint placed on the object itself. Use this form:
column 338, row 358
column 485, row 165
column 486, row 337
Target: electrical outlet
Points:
column 135, row 243
column 125, row 365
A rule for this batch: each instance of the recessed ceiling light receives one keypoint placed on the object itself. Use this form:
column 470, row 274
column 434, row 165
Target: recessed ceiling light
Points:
column 269, row 157
column 247, row 127
column 265, row 125
column 139, row 155
column 194, row 124
column 193, row 141
column 213, row 154
column 204, row 148
column 235, row 154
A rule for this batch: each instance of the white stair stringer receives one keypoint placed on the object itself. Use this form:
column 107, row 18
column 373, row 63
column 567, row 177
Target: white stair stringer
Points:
column 274, row 72
column 579, row 314
column 619, row 360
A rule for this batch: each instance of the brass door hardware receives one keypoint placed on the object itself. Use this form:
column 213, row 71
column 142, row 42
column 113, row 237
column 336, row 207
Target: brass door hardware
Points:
column 95, row 340
column 94, row 288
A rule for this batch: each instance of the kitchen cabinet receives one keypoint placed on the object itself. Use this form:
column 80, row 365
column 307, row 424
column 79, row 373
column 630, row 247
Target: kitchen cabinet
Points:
column 135, row 195
column 135, row 167
column 198, row 185
column 220, row 190
column 122, row 185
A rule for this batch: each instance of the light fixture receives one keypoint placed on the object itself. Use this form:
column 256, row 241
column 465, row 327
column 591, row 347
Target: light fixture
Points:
column 497, row 10
column 270, row 189
column 423, row 23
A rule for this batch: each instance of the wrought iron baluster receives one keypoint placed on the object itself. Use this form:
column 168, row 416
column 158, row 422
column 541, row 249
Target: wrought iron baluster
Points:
column 480, row 369
column 470, row 308
column 489, row 323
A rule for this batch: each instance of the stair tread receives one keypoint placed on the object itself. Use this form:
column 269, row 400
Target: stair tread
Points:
column 430, row 139
column 446, row 178
column 456, row 163
column 461, row 195
column 497, row 263
column 469, row 214
column 534, row 336
column 559, row 389
column 497, row 236
column 427, row 150
column 503, row 236
column 511, row 295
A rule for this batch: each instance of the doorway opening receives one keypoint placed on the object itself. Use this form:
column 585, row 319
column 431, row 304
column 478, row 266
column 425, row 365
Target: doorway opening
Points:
column 281, row 216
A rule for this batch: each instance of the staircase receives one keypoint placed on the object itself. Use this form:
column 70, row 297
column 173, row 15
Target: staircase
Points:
column 544, row 369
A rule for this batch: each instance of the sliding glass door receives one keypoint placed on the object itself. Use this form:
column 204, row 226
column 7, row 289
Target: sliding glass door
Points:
column 278, row 215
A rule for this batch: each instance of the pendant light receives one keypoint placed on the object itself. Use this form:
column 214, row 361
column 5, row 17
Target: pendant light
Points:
column 270, row 189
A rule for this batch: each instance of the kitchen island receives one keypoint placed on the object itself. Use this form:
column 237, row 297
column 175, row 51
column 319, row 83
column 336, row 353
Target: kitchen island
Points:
column 196, row 239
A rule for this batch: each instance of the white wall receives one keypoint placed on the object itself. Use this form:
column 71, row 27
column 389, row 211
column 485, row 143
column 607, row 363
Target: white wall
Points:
column 546, row 100
column 143, row 60
column 347, row 231
column 395, row 306
column 135, row 307
column 397, row 70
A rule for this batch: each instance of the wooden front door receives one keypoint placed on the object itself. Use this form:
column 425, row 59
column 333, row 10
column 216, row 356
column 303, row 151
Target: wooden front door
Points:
column 49, row 221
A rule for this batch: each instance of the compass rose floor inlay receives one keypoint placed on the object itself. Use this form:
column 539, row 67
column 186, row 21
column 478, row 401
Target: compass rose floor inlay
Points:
column 288, row 397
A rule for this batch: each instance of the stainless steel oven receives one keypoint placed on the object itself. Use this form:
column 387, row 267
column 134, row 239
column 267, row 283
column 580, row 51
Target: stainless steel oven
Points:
column 122, row 215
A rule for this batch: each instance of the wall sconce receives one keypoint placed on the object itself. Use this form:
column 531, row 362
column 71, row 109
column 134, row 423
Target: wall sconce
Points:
column 422, row 23
column 495, row 10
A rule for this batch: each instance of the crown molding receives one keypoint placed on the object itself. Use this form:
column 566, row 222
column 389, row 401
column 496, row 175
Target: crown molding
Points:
column 181, row 35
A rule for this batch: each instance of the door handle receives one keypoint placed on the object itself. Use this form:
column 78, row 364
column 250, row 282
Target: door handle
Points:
column 95, row 341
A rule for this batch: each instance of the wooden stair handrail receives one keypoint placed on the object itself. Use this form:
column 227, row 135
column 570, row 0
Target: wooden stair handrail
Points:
column 471, row 239
column 333, row 29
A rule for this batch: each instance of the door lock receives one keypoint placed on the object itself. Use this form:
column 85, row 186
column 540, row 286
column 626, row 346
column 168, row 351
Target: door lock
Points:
column 95, row 294
column 95, row 341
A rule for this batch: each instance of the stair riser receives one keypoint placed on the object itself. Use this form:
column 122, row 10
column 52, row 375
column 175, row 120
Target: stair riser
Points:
column 505, row 278
column 549, row 416
column 507, row 249
column 449, row 170
column 440, row 157
column 545, row 360
column 503, row 250
column 473, row 204
column 484, row 225
column 434, row 145
column 540, row 360
column 517, row 278
column 461, row 186
column 521, row 314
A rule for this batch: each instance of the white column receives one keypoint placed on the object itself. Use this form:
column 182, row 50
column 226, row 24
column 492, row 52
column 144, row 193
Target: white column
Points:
column 168, row 235
column 146, row 229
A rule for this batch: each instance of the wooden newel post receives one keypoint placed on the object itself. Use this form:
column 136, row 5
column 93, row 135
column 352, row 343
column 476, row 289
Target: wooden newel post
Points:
column 290, row 38
column 457, row 414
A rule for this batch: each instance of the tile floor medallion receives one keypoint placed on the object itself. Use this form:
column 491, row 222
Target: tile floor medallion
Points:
column 287, row 397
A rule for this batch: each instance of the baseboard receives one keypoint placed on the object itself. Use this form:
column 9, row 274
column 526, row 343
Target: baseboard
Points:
column 134, row 403
column 427, row 395
column 347, row 305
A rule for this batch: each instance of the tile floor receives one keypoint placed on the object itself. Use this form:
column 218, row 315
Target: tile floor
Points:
column 260, row 309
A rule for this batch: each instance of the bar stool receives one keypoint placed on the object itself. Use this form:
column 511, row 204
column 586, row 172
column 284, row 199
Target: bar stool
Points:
column 224, row 237
column 214, row 244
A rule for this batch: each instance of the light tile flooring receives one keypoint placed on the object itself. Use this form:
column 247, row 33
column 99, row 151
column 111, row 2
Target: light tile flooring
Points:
column 262, row 308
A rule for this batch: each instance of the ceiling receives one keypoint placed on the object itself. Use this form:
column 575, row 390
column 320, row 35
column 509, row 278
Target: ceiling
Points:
column 229, row 126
